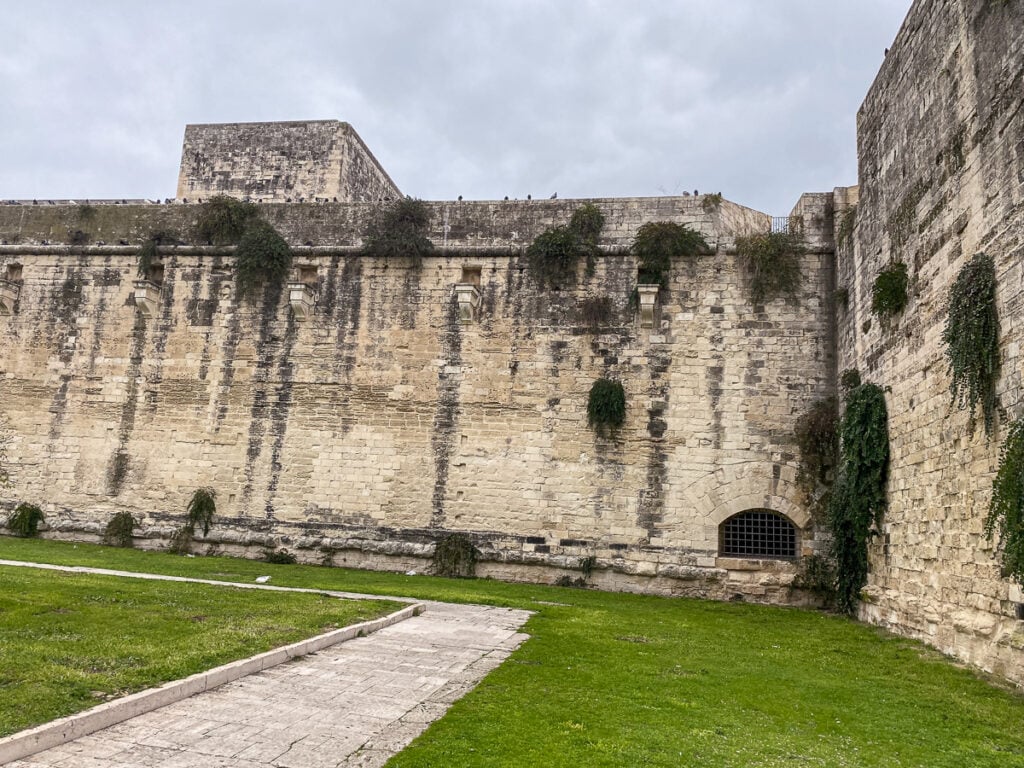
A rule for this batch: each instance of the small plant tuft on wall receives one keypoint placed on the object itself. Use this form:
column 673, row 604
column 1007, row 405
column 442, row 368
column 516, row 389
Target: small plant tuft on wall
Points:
column 147, row 253
column 201, row 509
column 658, row 243
column 596, row 312
column 223, row 220
column 119, row 530
column 455, row 557
column 262, row 257
column 25, row 520
column 772, row 261
column 858, row 498
column 606, row 406
column 399, row 230
column 1006, row 508
column 554, row 254
column 278, row 556
column 889, row 292
column 971, row 336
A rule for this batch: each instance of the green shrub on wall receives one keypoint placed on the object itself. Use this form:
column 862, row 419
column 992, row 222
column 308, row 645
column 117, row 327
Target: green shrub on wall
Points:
column 889, row 292
column 772, row 261
column 858, row 498
column 971, row 336
column 1006, row 509
column 262, row 256
column 399, row 230
column 658, row 243
column 223, row 220
column 119, row 530
column 25, row 520
column 606, row 406
column 554, row 254
column 201, row 509
column 147, row 253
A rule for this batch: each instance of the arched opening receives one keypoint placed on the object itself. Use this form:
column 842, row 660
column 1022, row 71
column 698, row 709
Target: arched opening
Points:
column 758, row 533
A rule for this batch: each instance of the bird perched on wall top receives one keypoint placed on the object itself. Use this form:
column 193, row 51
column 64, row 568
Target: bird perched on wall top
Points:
column 554, row 196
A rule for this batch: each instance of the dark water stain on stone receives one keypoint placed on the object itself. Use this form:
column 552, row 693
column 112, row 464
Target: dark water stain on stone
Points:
column 117, row 468
column 280, row 411
column 443, row 435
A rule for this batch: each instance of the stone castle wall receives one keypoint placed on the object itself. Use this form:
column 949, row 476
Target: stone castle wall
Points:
column 382, row 422
column 279, row 162
column 941, row 178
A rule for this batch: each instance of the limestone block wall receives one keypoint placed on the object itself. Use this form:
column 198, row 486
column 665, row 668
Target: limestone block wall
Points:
column 941, row 175
column 275, row 162
column 370, row 429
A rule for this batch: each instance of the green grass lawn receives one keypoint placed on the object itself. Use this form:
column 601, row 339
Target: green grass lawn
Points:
column 628, row 680
column 70, row 641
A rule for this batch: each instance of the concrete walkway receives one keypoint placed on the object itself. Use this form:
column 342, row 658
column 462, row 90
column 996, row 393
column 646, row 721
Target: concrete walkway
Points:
column 355, row 704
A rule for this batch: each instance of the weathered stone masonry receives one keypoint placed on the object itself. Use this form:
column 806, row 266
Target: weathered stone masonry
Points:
column 379, row 422
column 383, row 421
column 941, row 147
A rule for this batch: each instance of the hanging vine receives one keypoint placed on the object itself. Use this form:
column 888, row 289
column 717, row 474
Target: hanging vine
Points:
column 554, row 254
column 1006, row 509
column 657, row 243
column 972, row 338
column 606, row 406
column 399, row 229
column 858, row 497
column 773, row 263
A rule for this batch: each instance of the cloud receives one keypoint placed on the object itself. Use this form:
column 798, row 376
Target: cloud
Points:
column 596, row 98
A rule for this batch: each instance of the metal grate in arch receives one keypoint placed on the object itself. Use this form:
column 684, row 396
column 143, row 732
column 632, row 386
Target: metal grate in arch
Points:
column 758, row 533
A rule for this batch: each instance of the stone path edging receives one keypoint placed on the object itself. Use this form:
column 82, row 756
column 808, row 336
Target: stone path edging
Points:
column 57, row 732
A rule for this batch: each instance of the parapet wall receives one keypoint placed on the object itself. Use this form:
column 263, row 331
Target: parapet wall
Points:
column 382, row 422
column 941, row 178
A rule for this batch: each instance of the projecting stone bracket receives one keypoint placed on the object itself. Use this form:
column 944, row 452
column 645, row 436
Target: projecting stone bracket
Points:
column 302, row 299
column 9, row 292
column 648, row 295
column 468, row 296
column 147, row 297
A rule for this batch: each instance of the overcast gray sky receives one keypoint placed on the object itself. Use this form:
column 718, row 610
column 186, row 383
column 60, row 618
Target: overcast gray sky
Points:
column 753, row 98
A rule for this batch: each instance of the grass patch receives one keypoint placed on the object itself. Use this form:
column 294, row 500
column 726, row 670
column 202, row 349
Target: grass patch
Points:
column 615, row 679
column 69, row 641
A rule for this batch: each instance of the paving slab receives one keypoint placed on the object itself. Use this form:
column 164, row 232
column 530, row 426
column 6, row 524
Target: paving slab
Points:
column 354, row 704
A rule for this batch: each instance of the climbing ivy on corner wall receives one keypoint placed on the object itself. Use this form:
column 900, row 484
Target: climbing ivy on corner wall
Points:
column 1006, row 509
column 262, row 256
column 858, row 497
column 972, row 338
column 773, row 263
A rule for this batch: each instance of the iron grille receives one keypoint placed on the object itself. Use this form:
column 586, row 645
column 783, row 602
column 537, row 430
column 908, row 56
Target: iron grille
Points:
column 758, row 533
column 792, row 225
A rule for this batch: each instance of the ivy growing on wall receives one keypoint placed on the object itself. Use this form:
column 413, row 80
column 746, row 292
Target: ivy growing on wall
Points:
column 858, row 496
column 262, row 256
column 399, row 229
column 971, row 336
column 772, row 261
column 1006, row 509
column 119, row 530
column 606, row 406
column 657, row 243
column 148, row 252
column 554, row 254
column 889, row 292
column 223, row 220
column 817, row 437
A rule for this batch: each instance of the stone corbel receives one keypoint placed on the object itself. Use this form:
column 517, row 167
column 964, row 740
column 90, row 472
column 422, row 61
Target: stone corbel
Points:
column 648, row 295
column 302, row 299
column 9, row 292
column 147, row 297
column 468, row 296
